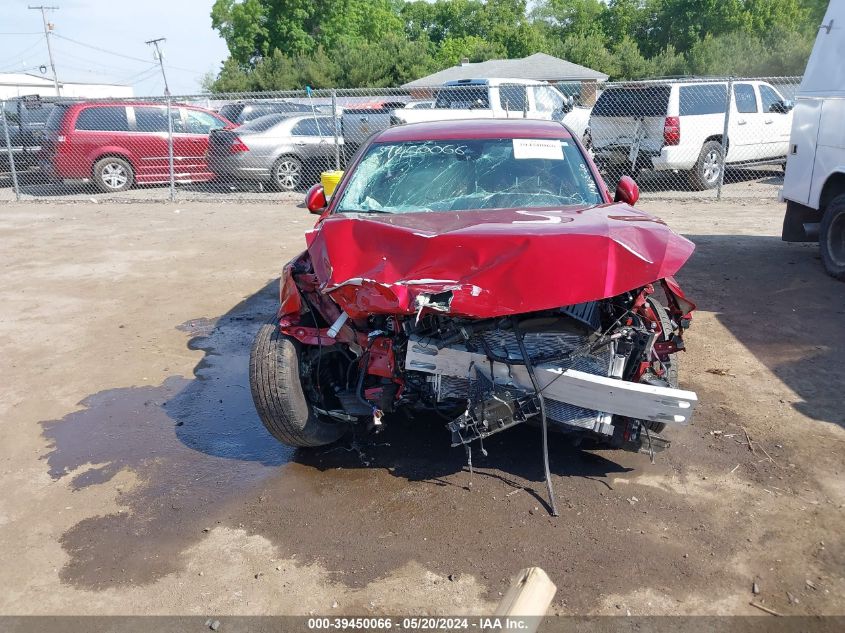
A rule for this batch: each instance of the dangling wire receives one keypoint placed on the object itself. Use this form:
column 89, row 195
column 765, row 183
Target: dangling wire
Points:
column 544, row 421
column 648, row 437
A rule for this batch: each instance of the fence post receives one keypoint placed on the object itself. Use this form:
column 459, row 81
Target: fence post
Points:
column 9, row 148
column 725, row 137
column 170, row 151
column 334, row 127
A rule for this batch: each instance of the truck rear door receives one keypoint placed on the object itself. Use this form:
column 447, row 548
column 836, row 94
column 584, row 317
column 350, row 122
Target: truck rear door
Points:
column 629, row 119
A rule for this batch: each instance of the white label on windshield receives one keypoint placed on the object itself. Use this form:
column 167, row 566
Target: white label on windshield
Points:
column 550, row 149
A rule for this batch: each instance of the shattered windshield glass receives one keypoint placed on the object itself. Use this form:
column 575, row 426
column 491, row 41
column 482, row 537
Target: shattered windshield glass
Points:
column 461, row 175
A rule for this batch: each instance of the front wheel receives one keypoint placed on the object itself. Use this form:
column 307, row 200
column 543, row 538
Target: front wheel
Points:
column 708, row 167
column 113, row 174
column 274, row 378
column 832, row 238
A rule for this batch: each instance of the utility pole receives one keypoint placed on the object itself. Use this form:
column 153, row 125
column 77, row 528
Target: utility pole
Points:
column 48, row 29
column 169, row 117
column 160, row 61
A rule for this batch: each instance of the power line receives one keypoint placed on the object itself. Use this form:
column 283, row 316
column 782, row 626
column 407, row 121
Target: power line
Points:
column 116, row 54
column 23, row 53
column 120, row 70
column 141, row 76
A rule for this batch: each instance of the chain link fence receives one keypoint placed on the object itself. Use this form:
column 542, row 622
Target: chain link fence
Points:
column 679, row 138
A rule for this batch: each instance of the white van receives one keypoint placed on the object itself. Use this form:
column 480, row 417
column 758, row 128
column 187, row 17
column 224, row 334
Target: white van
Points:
column 678, row 126
column 814, row 185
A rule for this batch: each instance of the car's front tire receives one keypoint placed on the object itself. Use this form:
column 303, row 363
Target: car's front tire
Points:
column 832, row 238
column 274, row 379
column 112, row 174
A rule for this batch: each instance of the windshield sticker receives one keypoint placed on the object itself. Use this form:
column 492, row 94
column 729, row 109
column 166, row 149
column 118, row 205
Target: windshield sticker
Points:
column 550, row 149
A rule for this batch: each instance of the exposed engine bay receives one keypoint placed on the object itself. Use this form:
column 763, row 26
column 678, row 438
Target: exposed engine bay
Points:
column 601, row 369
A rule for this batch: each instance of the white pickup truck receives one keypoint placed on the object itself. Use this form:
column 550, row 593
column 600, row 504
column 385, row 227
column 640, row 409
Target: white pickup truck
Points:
column 499, row 99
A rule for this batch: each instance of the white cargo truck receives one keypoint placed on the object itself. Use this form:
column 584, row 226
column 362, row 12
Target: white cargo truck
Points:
column 814, row 184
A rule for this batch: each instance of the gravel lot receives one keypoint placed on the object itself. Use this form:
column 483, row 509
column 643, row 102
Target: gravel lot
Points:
column 138, row 479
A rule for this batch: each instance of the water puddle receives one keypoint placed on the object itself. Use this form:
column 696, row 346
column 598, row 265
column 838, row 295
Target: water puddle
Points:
column 201, row 458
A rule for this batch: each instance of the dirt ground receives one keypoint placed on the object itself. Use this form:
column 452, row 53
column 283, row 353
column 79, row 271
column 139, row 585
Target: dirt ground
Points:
column 137, row 478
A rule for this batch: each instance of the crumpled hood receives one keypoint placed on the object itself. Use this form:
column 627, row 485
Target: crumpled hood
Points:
column 493, row 263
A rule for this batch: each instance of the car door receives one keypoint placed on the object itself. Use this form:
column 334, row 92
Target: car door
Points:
column 198, row 124
column 98, row 130
column 147, row 140
column 313, row 139
column 745, row 133
column 777, row 122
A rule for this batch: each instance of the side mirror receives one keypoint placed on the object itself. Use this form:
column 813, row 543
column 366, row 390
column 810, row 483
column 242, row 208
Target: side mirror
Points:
column 781, row 107
column 627, row 191
column 315, row 199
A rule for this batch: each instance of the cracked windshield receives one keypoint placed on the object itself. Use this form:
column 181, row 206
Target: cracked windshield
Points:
column 463, row 175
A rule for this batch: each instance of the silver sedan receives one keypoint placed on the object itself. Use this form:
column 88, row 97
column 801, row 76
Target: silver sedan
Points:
column 288, row 152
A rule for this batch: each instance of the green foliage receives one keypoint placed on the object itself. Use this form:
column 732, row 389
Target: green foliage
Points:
column 287, row 44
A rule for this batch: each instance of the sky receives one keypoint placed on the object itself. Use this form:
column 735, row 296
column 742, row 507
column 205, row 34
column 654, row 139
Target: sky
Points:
column 192, row 48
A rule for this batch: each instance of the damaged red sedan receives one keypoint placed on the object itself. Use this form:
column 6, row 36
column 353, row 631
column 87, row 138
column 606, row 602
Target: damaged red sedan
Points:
column 479, row 271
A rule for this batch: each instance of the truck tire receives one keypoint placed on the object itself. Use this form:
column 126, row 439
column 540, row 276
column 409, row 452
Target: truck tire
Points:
column 832, row 238
column 113, row 174
column 278, row 396
column 708, row 167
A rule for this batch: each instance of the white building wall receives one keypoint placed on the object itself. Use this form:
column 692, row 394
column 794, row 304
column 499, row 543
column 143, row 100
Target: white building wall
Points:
column 14, row 85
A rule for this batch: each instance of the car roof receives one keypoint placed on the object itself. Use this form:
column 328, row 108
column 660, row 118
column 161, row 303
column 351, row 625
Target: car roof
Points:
column 473, row 128
column 134, row 104
column 494, row 81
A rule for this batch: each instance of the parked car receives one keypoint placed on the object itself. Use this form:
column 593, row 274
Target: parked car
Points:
column 118, row 144
column 26, row 118
column 499, row 99
column 285, row 151
column 814, row 183
column 243, row 111
column 678, row 126
column 425, row 104
column 479, row 271
column 360, row 121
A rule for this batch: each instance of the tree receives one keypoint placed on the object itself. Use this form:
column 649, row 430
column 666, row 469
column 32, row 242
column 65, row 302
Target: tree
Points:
column 285, row 44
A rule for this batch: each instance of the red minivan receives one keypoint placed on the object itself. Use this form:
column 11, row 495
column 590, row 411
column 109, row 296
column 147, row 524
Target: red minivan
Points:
column 118, row 144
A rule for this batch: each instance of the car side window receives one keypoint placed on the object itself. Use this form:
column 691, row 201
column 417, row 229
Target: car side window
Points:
column 199, row 122
column 512, row 97
column 547, row 99
column 467, row 97
column 746, row 98
column 702, row 99
column 768, row 97
column 308, row 127
column 150, row 119
column 105, row 119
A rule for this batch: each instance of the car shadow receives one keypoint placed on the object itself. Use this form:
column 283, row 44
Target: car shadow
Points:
column 660, row 181
column 776, row 299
